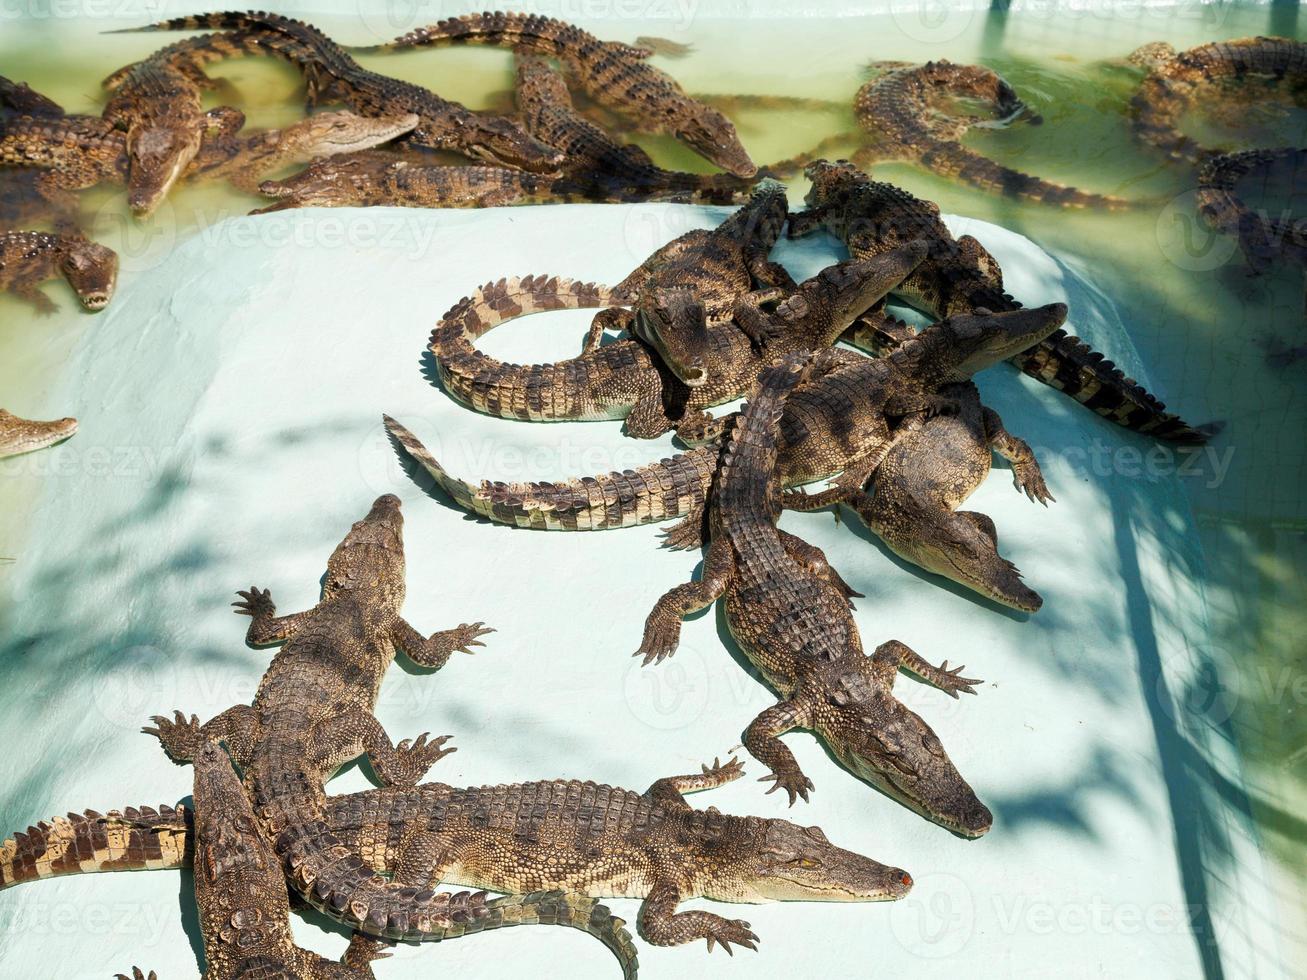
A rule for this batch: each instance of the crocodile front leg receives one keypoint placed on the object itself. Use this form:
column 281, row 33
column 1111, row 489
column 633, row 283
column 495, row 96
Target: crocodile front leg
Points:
column 434, row 651
column 648, row 418
column 27, row 290
column 671, row 789
column 750, row 317
column 182, row 737
column 662, row 925
column 814, row 561
column 1027, row 477
column 615, row 319
column 266, row 627
column 891, row 655
column 762, row 739
column 662, row 630
column 344, row 737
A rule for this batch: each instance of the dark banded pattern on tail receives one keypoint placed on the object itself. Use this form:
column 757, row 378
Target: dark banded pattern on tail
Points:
column 1262, row 239
column 661, row 491
column 898, row 106
column 585, row 387
column 80, row 843
column 1177, row 81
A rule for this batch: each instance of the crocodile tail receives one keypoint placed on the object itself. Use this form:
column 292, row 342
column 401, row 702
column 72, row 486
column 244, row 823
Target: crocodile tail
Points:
column 554, row 908
column 952, row 159
column 661, row 491
column 535, row 392
column 522, row 32
column 80, row 843
column 1067, row 363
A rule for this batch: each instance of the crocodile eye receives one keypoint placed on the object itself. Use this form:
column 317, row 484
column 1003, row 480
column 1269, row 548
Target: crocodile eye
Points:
column 806, row 863
column 902, row 765
column 932, row 745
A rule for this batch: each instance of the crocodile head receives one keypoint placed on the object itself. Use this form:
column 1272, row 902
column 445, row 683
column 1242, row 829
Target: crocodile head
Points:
column 330, row 133
column 842, row 292
column 371, row 557
column 92, row 271
column 1151, row 56
column 501, row 141
column 339, row 181
column 983, row 85
column 675, row 324
column 957, row 347
column 785, row 862
column 878, row 738
column 829, row 179
column 713, row 136
column 19, row 435
column 157, row 156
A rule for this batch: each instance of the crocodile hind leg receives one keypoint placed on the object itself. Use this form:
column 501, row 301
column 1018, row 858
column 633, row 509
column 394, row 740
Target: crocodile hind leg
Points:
column 891, row 655
column 615, row 319
column 762, row 739
column 671, row 789
column 358, row 731
column 662, row 630
column 1026, row 474
column 662, row 925
column 814, row 561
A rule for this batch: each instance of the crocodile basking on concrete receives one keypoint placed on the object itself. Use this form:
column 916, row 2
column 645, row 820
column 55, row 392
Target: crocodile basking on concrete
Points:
column 959, row 276
column 584, row 837
column 1180, row 81
column 313, row 712
column 907, row 109
column 627, row 378
column 834, row 425
column 19, row 435
column 29, row 258
column 613, row 74
column 789, row 611
column 332, row 75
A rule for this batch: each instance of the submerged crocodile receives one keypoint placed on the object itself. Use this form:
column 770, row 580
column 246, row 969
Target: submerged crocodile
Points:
column 29, row 258
column 331, row 74
column 905, row 108
column 959, row 276
column 836, row 424
column 586, row 838
column 627, row 379
column 1262, row 239
column 597, row 167
column 1178, row 81
column 613, row 74
column 157, row 103
column 314, row 711
column 71, row 153
column 789, row 611
column 19, row 435
column 244, row 158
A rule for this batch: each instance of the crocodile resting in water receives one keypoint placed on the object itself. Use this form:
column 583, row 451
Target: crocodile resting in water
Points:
column 627, row 379
column 69, row 153
column 905, row 108
column 959, row 276
column 1176, row 82
column 331, row 74
column 789, row 611
column 1262, row 239
column 613, row 74
column 314, row 711
column 29, row 258
column 583, row 837
column 19, row 435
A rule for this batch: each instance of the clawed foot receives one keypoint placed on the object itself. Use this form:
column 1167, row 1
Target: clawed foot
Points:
column 256, row 602
column 364, row 949
column 941, row 405
column 1029, row 480
column 138, row 975
column 685, row 534
column 660, row 642
column 464, row 636
column 180, row 736
column 794, row 782
column 732, row 769
column 950, row 681
column 727, row 931
column 413, row 758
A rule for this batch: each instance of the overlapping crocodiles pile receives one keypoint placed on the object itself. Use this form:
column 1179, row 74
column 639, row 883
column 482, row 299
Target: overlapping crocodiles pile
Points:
column 838, row 390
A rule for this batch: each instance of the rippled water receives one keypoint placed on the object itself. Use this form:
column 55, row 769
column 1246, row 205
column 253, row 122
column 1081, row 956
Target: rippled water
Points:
column 1202, row 325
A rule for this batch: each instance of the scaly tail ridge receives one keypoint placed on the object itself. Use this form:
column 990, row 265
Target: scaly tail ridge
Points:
column 956, row 161
column 661, row 491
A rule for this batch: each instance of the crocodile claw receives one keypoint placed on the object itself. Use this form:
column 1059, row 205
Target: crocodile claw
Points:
column 180, row 736
column 136, row 975
column 951, row 681
column 255, row 602
column 795, row 783
column 729, row 931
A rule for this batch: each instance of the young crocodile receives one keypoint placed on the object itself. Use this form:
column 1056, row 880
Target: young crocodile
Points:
column 157, row 103
column 314, row 711
column 71, row 153
column 626, row 379
column 901, row 108
column 1176, row 82
column 596, row 166
column 29, row 258
column 587, row 838
column 611, row 73
column 1262, row 239
column 331, row 74
column 960, row 276
column 19, row 435
column 790, row 613
column 832, row 425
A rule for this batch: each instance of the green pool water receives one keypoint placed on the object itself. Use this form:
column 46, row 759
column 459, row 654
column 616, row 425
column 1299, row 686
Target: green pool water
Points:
column 1202, row 326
